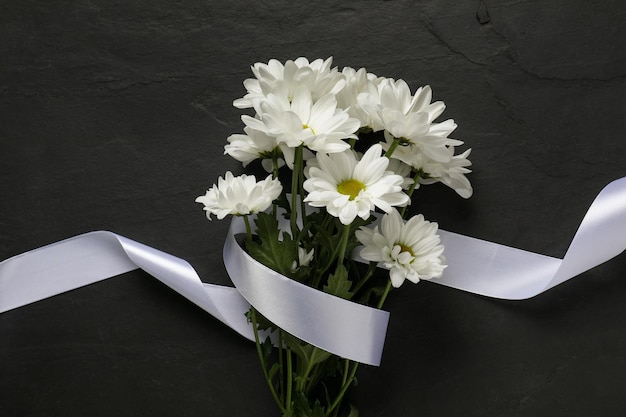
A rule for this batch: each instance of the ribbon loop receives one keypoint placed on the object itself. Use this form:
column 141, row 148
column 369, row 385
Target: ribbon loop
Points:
column 339, row 326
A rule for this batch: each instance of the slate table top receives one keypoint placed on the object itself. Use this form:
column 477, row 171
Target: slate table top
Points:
column 113, row 116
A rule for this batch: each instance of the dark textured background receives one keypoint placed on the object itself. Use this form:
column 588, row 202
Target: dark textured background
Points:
column 113, row 115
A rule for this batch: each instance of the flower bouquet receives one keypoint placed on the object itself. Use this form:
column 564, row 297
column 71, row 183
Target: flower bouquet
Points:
column 353, row 148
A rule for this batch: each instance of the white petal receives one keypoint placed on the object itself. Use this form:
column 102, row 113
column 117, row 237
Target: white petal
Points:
column 301, row 103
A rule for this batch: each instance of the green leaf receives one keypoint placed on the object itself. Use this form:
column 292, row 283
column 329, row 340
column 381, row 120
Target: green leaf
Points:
column 262, row 323
column 338, row 283
column 272, row 251
column 373, row 291
column 323, row 232
column 266, row 348
column 309, row 354
column 303, row 408
column 283, row 202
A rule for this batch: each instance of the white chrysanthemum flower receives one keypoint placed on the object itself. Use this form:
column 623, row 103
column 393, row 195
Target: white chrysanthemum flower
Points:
column 413, row 131
column 253, row 145
column 392, row 107
column 304, row 258
column 396, row 96
column 274, row 77
column 432, row 141
column 451, row 173
column 359, row 83
column 350, row 188
column 448, row 168
column 240, row 196
column 409, row 118
column 319, row 125
column 409, row 250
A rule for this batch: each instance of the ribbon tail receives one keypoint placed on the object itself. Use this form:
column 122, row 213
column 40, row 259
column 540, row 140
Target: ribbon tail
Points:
column 59, row 267
column 96, row 256
column 499, row 271
column 601, row 235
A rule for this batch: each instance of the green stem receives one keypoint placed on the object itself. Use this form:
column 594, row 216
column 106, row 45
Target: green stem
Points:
column 416, row 181
column 370, row 272
column 343, row 244
column 262, row 359
column 339, row 252
column 248, row 228
column 313, row 379
column 289, row 380
column 385, row 294
column 346, row 368
column 274, row 176
column 281, row 364
column 344, row 388
column 301, row 383
column 274, row 166
column 392, row 147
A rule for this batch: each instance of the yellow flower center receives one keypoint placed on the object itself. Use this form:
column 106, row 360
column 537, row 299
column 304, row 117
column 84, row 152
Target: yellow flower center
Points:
column 305, row 126
column 350, row 187
column 405, row 248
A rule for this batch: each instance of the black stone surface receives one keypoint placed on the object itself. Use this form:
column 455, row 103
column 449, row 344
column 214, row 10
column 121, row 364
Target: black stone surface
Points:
column 113, row 115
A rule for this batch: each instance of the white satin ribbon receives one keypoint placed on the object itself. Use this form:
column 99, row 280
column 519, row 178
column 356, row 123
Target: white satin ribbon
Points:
column 344, row 328
column 339, row 326
column 336, row 325
column 500, row 271
column 91, row 257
